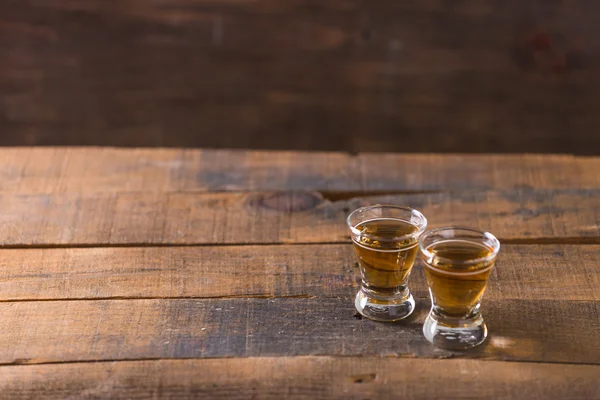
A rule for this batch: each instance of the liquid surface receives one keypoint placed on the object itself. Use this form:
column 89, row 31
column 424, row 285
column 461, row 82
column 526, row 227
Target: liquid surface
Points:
column 384, row 261
column 456, row 289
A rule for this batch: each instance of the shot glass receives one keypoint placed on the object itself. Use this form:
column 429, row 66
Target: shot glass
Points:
column 458, row 263
column 386, row 244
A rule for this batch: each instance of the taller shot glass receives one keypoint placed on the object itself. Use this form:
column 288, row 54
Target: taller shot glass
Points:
column 458, row 263
column 386, row 244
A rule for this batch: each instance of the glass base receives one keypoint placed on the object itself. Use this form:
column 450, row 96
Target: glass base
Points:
column 385, row 309
column 454, row 333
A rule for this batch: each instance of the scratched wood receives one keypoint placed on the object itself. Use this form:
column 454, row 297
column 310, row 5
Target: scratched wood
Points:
column 426, row 76
column 301, row 378
column 535, row 272
column 63, row 331
column 282, row 217
column 106, row 170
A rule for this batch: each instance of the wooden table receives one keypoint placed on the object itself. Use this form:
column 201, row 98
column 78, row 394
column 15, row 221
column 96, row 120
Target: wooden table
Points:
column 221, row 274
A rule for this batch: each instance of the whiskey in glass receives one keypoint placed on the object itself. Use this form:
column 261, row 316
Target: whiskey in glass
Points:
column 385, row 240
column 458, row 264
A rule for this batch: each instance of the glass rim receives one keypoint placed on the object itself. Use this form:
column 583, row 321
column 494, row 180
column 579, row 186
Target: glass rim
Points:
column 484, row 234
column 414, row 235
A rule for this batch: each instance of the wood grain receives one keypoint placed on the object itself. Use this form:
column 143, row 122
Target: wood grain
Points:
column 281, row 217
column 102, row 304
column 108, row 170
column 531, row 272
column 359, row 76
column 64, row 331
column 302, row 378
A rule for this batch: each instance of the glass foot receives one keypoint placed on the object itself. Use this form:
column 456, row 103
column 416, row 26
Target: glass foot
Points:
column 384, row 309
column 455, row 333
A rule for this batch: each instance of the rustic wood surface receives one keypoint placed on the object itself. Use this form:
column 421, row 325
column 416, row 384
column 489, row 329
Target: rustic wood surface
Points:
column 303, row 378
column 109, row 170
column 353, row 75
column 535, row 272
column 270, row 218
column 64, row 331
column 224, row 274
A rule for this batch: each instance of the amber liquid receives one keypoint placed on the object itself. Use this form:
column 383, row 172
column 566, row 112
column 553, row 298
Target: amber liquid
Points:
column 385, row 262
column 457, row 289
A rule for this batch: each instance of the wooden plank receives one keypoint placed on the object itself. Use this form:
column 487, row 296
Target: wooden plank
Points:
column 107, row 170
column 64, row 331
column 485, row 76
column 533, row 272
column 97, row 170
column 255, row 271
column 302, row 378
column 282, row 217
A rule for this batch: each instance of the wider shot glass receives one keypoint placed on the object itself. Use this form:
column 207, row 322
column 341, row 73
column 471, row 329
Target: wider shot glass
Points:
column 458, row 263
column 386, row 244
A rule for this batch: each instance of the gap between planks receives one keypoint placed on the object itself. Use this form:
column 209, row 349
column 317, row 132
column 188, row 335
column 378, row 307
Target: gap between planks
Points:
column 592, row 240
column 222, row 297
column 26, row 362
column 183, row 298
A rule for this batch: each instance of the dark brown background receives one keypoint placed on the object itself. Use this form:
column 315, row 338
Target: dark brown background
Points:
column 385, row 75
